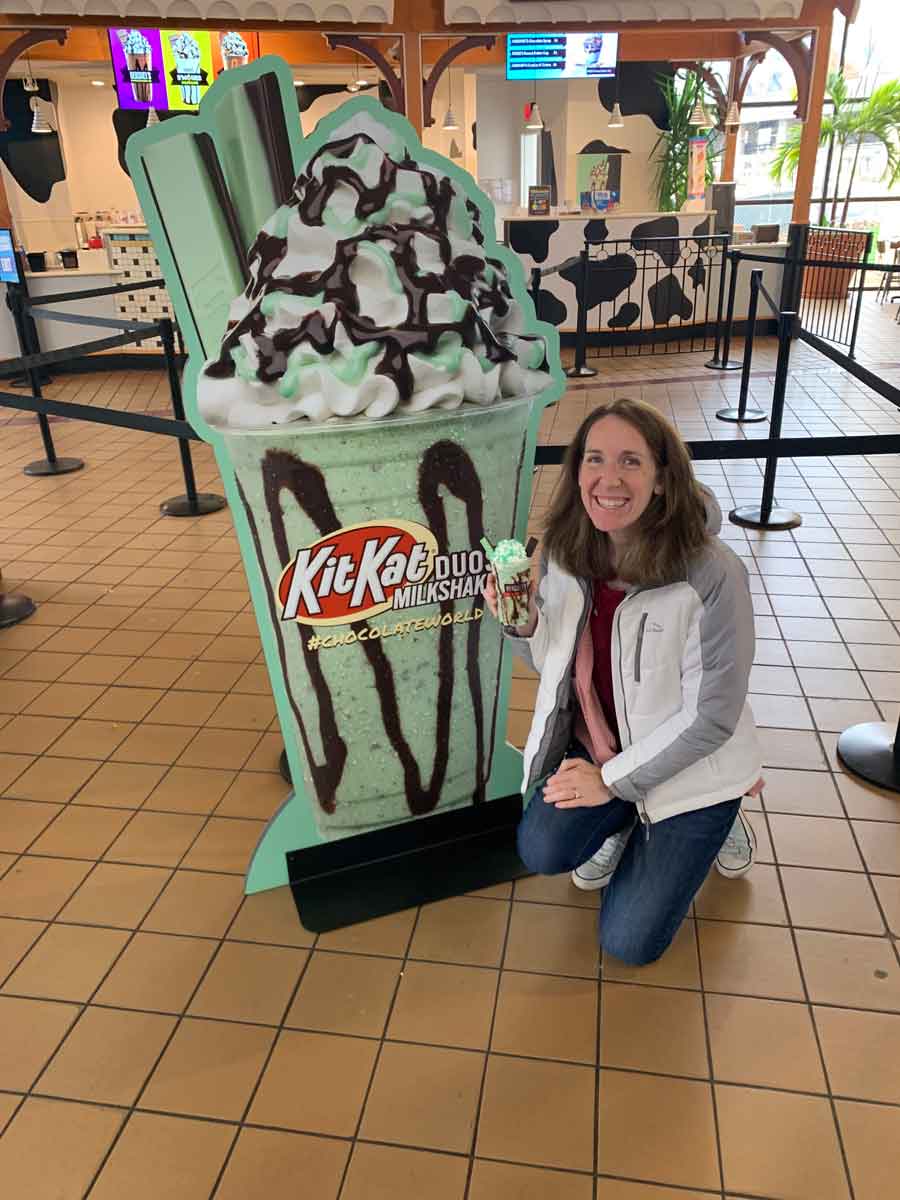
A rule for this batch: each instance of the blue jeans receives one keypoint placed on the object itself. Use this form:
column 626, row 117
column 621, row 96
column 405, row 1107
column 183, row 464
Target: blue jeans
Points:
column 657, row 878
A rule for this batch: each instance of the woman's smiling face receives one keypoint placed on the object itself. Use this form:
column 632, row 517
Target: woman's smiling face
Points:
column 618, row 476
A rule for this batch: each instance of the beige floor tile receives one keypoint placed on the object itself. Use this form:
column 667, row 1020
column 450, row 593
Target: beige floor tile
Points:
column 104, row 669
column 865, row 802
column 871, row 1136
column 254, row 794
column 504, row 1181
column 210, row 676
column 658, row 1129
column 81, row 832
column 811, row 793
column 555, row 889
column 879, row 842
column 30, row 1031
column 751, row 960
column 185, row 708
column 67, row 963
column 267, row 1164
column 6, row 861
column 18, row 695
column 553, row 939
column 770, row 1043
column 271, row 917
column 157, row 972
column 621, row 1189
column 120, row 785
column 124, row 704
column 760, row 1132
column 755, row 897
column 462, row 930
column 538, row 1112
column 155, row 839
column 92, row 739
column 265, row 756
column 209, row 1069
column 444, row 1005
column 342, row 1068
column 248, row 982
column 164, row 1156
column 814, row 842
column 52, row 1149
column 383, row 935
column 151, row 672
column 153, row 744
column 52, row 779
column 189, row 790
column 22, row 822
column 17, row 936
column 388, row 1173
column 31, row 735
column 888, row 890
column 859, row 972
column 39, row 887
column 862, row 1053
column 451, row 1079
column 107, row 1057
column 9, row 1103
column 196, row 903
column 115, row 894
column 679, row 967
column 243, row 712
column 652, row 1029
column 225, row 844
column 221, row 748
column 792, row 749
column 546, row 1016
column 42, row 667
column 836, row 900
column 345, row 993
column 11, row 767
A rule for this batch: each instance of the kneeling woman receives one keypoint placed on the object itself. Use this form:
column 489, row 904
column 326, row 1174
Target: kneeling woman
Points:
column 642, row 742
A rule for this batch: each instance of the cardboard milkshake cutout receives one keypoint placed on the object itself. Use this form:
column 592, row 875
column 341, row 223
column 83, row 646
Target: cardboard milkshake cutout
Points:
column 365, row 360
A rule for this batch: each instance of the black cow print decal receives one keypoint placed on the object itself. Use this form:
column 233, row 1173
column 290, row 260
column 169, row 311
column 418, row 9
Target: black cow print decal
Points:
column 659, row 227
column 667, row 300
column 532, row 238
column 627, row 315
column 607, row 278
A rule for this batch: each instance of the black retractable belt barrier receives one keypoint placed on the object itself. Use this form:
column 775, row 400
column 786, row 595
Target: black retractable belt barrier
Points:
column 725, row 363
column 742, row 412
column 580, row 369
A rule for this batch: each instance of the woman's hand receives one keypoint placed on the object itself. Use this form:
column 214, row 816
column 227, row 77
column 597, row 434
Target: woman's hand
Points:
column 577, row 784
column 489, row 591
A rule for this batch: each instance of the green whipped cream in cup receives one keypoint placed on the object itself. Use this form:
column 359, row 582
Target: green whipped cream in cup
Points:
column 512, row 573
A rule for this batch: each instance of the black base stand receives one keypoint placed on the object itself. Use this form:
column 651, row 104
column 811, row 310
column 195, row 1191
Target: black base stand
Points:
column 283, row 768
column 580, row 372
column 871, row 751
column 181, row 506
column 14, row 607
column 58, row 466
column 751, row 518
column 370, row 875
column 717, row 364
column 735, row 414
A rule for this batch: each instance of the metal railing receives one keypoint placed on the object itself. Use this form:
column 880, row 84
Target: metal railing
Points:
column 832, row 294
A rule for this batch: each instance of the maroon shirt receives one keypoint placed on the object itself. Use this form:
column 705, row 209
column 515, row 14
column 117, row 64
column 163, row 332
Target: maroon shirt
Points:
column 603, row 611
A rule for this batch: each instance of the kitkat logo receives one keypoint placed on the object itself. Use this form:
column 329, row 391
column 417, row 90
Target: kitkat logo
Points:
column 353, row 573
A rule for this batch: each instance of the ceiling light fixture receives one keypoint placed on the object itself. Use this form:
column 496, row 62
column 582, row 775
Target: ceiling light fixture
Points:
column 39, row 122
column 98, row 83
column 450, row 124
column 616, row 120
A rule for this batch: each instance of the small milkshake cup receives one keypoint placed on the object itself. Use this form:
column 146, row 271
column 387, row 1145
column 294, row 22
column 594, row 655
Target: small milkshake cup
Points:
column 511, row 567
column 139, row 58
column 235, row 52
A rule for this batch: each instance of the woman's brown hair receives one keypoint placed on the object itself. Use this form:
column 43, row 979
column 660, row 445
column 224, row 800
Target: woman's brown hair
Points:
column 667, row 535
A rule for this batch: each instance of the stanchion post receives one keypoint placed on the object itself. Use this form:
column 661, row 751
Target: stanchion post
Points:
column 581, row 370
column 742, row 413
column 725, row 363
column 851, row 351
column 51, row 465
column 14, row 607
column 720, row 303
column 768, row 515
column 192, row 503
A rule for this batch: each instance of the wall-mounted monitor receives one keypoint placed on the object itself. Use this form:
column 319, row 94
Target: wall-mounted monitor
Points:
column 561, row 55
column 9, row 264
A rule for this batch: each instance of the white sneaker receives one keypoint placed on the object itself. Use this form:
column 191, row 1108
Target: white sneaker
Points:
column 738, row 850
column 598, row 870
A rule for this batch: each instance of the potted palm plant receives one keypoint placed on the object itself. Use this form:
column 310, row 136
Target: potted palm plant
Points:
column 846, row 129
column 682, row 91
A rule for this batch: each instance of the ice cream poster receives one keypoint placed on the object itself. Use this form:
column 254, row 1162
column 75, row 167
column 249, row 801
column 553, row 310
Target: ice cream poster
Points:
column 366, row 362
column 598, row 180
column 173, row 68
column 696, row 189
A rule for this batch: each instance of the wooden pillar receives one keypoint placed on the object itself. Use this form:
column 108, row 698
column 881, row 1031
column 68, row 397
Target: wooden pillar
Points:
column 809, row 142
column 731, row 135
column 412, row 80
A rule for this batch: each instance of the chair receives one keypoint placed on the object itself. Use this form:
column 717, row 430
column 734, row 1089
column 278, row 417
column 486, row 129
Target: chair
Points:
column 888, row 277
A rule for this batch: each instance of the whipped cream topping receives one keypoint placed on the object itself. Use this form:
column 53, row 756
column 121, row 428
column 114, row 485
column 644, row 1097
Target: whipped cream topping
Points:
column 233, row 45
column 185, row 45
column 371, row 293
column 133, row 41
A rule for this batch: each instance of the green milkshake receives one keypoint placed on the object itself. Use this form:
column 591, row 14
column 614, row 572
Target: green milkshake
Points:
column 373, row 391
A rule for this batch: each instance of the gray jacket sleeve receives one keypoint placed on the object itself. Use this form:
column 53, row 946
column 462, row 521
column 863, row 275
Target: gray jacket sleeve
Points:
column 715, row 678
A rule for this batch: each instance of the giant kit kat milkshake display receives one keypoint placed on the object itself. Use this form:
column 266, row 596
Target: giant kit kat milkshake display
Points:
column 373, row 391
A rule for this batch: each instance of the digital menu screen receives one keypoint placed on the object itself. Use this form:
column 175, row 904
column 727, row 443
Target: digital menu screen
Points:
column 9, row 267
column 171, row 69
column 561, row 55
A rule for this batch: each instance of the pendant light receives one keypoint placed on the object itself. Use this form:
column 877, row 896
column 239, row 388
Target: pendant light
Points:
column 615, row 118
column 733, row 116
column 39, row 122
column 152, row 117
column 354, row 84
column 455, row 151
column 29, row 83
column 450, row 124
column 699, row 116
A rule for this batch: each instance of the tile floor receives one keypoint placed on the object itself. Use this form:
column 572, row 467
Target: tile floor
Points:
column 162, row 1035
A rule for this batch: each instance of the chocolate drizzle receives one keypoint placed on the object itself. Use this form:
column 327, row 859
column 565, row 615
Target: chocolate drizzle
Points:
column 444, row 464
column 479, row 281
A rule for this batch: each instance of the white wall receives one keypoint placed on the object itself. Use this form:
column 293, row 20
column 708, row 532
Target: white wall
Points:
column 95, row 179
column 587, row 120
